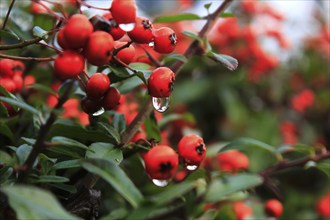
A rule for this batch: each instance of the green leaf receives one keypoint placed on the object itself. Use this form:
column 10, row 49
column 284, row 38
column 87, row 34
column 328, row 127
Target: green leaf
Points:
column 65, row 187
column 120, row 72
column 115, row 177
column 119, row 122
column 20, row 104
column 188, row 117
column 152, row 129
column 110, row 130
column 175, row 18
column 229, row 62
column 244, row 143
column 58, row 140
column 39, row 32
column 207, row 6
column 44, row 21
column 141, row 76
column 67, row 164
column 42, row 88
column 220, row 189
column 116, row 214
column 105, row 151
column 227, row 14
column 173, row 192
column 129, row 84
column 5, row 158
column 5, row 173
column 64, row 87
column 193, row 36
column 8, row 34
column 51, row 179
column 5, row 131
column 30, row 202
column 23, row 152
column 140, row 66
column 175, row 57
column 324, row 166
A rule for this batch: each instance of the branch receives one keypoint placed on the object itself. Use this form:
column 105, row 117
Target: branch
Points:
column 8, row 13
column 40, row 142
column 21, row 44
column 43, row 59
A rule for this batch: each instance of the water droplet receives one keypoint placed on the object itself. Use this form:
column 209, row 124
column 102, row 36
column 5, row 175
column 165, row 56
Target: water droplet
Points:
column 191, row 167
column 160, row 183
column 99, row 112
column 161, row 104
column 127, row 27
column 151, row 44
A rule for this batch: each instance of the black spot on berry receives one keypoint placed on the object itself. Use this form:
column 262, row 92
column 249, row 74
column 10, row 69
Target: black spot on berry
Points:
column 146, row 24
column 200, row 149
column 173, row 39
column 165, row 167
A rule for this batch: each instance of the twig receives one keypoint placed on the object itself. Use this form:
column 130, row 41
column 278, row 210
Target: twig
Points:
column 151, row 58
column 8, row 13
column 124, row 64
column 42, row 59
column 22, row 44
column 116, row 51
column 40, row 142
column 50, row 46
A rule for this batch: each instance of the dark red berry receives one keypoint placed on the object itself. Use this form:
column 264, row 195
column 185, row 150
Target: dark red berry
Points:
column 273, row 208
column 90, row 106
column 192, row 149
column 111, row 99
column 161, row 162
column 124, row 12
column 114, row 29
column 142, row 33
column 68, row 65
column 164, row 40
column 161, row 82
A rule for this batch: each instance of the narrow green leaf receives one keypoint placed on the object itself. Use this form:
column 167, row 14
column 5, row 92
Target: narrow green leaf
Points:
column 105, row 151
column 142, row 77
column 324, row 166
column 193, row 36
column 140, row 66
column 221, row 188
column 5, row 158
column 51, row 179
column 19, row 104
column 243, row 143
column 120, row 213
column 110, row 130
column 5, row 131
column 207, row 6
column 65, row 187
column 23, row 152
column 7, row 34
column 67, row 164
column 39, row 32
column 175, row 57
column 115, row 177
column 188, row 117
column 152, row 129
column 175, row 18
column 58, row 140
column 30, row 202
column 229, row 62
column 42, row 88
column 5, row 173
column 227, row 14
column 64, row 87
column 119, row 122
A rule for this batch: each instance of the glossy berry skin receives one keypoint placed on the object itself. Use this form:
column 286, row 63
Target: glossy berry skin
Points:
column 111, row 99
column 8, row 84
column 68, row 65
column 114, row 30
column 165, row 40
column 98, row 50
column 124, row 12
column 161, row 82
column 7, row 68
column 89, row 105
column 18, row 80
column 192, row 149
column 323, row 205
column 242, row 210
column 62, row 41
column 77, row 31
column 97, row 85
column 161, row 162
column 126, row 55
column 273, row 208
column 142, row 32
column 232, row 161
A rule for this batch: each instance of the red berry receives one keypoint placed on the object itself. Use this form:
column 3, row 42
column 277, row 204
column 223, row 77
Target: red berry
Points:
column 68, row 65
column 36, row 8
column 8, row 84
column 161, row 82
column 192, row 149
column 165, row 40
column 111, row 99
column 124, row 12
column 89, row 105
column 142, row 32
column 242, row 210
column 161, row 162
column 323, row 205
column 274, row 208
column 62, row 41
column 127, row 55
column 77, row 31
column 18, row 80
column 97, row 85
column 7, row 68
column 11, row 111
column 98, row 50
column 232, row 161
column 115, row 31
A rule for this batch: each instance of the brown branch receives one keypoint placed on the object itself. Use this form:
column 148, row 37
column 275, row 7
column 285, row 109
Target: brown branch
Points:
column 151, row 58
column 50, row 47
column 43, row 131
column 116, row 51
column 42, row 59
column 22, row 44
column 8, row 13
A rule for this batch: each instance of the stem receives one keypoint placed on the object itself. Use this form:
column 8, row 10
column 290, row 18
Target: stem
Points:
column 151, row 58
column 8, row 13
column 124, row 64
column 50, row 46
column 40, row 142
column 43, row 59
column 22, row 44
column 116, row 51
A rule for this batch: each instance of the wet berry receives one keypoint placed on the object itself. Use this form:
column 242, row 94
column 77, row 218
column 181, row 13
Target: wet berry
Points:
column 192, row 149
column 273, row 208
column 142, row 33
column 164, row 40
column 161, row 82
column 124, row 12
column 114, row 29
column 111, row 99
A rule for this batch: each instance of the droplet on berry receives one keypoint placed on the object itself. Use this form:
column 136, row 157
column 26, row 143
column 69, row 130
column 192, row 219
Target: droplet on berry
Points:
column 161, row 104
column 151, row 44
column 99, row 112
column 191, row 167
column 160, row 183
column 127, row 27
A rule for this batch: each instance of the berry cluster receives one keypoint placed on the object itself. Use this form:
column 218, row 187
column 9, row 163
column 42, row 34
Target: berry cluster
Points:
column 101, row 41
column 161, row 161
